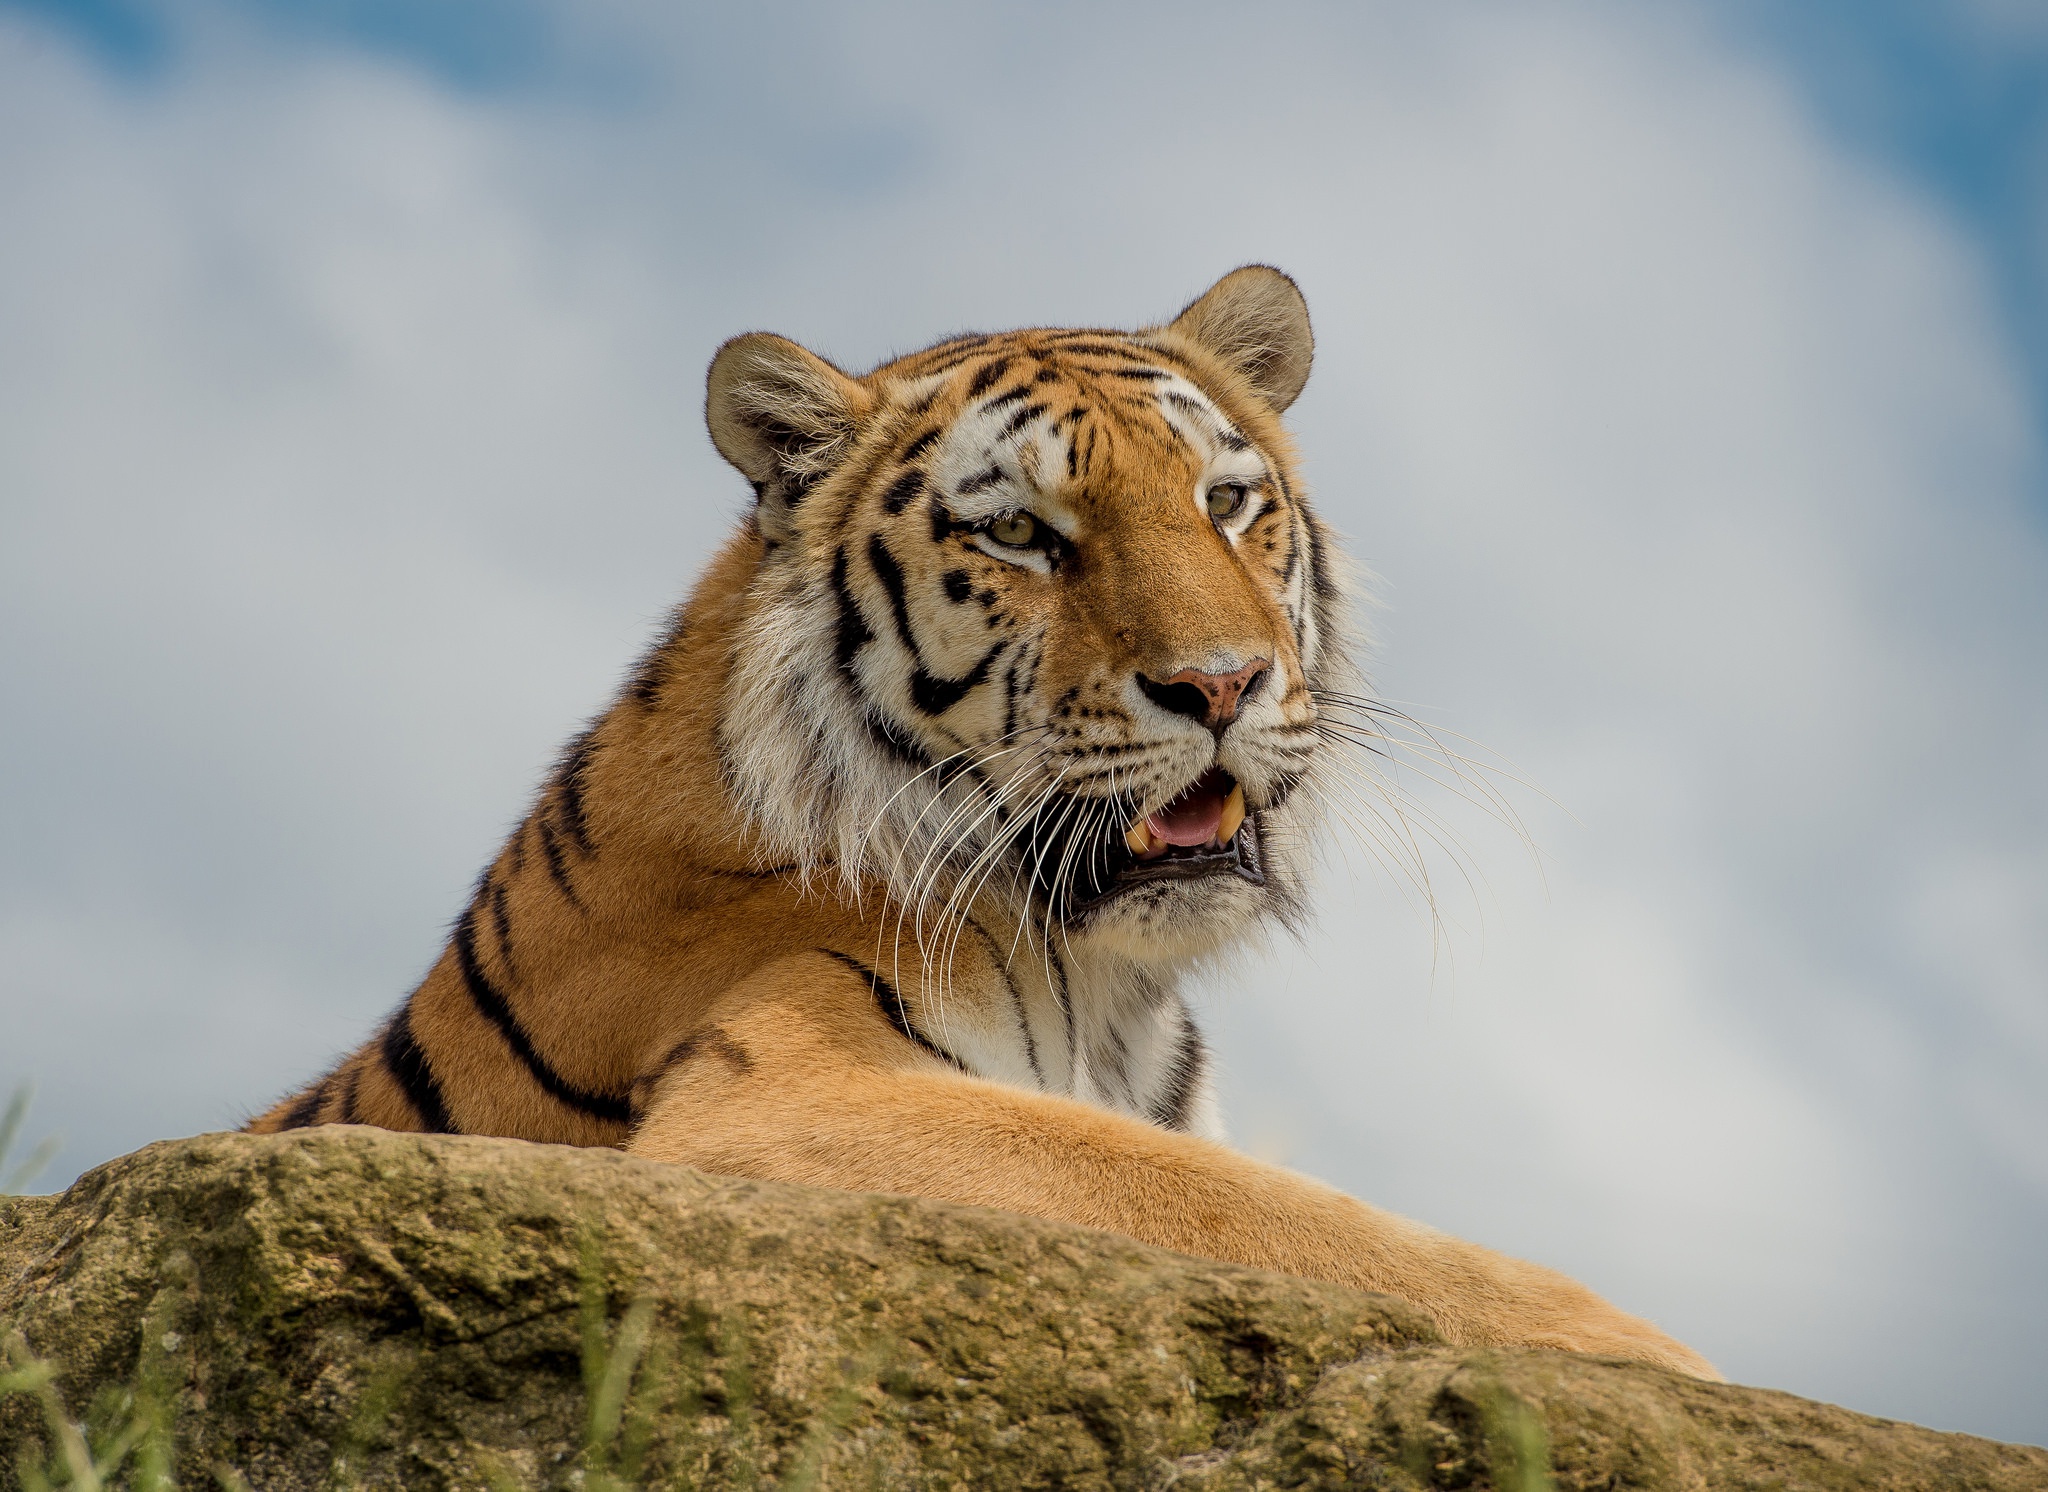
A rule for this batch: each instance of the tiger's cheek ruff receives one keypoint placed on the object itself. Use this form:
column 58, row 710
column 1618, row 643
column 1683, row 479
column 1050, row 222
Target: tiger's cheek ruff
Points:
column 843, row 743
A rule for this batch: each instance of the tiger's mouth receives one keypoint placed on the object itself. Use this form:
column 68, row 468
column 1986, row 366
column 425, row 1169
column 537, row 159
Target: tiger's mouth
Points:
column 1205, row 831
column 1205, row 817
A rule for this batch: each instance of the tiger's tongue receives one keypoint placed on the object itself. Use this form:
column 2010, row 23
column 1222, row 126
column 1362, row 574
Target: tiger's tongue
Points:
column 1190, row 819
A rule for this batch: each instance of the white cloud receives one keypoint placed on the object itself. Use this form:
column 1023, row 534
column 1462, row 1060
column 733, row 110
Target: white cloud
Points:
column 350, row 443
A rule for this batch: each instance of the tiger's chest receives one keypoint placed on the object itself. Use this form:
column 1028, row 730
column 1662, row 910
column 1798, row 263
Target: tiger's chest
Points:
column 1045, row 1021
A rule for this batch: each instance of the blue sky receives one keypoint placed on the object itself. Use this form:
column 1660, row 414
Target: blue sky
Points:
column 1954, row 93
column 1680, row 375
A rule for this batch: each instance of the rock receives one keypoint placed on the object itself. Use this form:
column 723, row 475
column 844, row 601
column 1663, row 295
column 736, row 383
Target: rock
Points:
column 349, row 1307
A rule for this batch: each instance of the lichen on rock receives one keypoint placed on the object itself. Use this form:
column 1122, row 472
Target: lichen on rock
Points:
column 351, row 1307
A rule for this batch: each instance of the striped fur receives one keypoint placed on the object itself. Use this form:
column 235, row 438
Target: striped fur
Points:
column 838, row 889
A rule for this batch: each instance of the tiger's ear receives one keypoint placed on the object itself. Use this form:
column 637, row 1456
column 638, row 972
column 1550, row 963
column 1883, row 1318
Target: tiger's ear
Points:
column 1256, row 321
column 784, row 416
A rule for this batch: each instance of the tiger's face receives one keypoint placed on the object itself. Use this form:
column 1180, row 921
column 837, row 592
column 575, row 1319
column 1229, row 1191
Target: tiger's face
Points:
column 1040, row 617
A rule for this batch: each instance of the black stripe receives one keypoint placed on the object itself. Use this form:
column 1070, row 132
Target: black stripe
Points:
column 902, row 492
column 793, row 490
column 958, row 586
column 1169, row 1109
column 853, row 633
column 1118, row 1059
column 887, row 735
column 501, row 921
column 995, row 954
column 569, row 786
column 961, row 342
column 892, row 1007
column 949, row 361
column 986, row 378
column 1010, row 696
column 1001, row 401
column 1057, row 967
column 1100, row 349
column 922, row 444
column 1019, row 420
column 1141, row 372
column 928, row 692
column 891, row 575
column 651, row 677
column 407, row 1062
column 987, row 477
column 648, row 678
column 713, row 1039
column 493, row 1004
column 551, row 851
column 1318, row 570
column 301, row 1113
column 935, row 695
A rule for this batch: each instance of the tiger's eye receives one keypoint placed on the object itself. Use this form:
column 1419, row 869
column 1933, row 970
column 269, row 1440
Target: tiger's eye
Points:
column 1226, row 499
column 1014, row 529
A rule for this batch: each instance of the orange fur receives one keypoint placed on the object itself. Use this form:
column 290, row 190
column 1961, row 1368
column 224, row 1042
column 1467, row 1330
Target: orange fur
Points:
column 777, row 913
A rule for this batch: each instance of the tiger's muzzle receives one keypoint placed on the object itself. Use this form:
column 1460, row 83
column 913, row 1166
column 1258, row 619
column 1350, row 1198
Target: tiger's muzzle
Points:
column 1080, row 861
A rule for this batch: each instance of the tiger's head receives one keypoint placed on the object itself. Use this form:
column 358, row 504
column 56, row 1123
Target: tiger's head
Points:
column 1041, row 617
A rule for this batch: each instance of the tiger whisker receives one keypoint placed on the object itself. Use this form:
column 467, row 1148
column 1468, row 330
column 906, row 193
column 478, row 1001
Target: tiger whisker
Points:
column 1037, row 866
column 919, row 885
column 1377, row 710
column 973, row 879
column 1090, row 817
column 995, row 847
column 1482, row 795
column 1018, row 784
column 914, row 895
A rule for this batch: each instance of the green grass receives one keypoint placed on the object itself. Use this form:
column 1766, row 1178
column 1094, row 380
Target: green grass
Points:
column 14, row 1178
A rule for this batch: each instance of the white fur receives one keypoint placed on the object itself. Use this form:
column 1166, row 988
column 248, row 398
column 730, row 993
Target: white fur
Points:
column 1096, row 1011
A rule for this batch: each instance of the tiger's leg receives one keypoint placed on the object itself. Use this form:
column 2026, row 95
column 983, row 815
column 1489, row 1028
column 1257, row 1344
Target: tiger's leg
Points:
column 803, row 1078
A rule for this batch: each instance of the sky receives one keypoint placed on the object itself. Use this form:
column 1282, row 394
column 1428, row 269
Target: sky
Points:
column 1682, row 383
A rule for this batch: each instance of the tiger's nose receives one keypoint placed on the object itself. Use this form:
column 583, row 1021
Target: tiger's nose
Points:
column 1212, row 698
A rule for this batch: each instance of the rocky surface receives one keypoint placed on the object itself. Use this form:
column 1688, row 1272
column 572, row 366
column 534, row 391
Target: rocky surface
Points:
column 347, row 1307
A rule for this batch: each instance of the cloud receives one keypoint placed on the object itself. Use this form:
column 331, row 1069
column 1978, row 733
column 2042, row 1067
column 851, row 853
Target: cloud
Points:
column 349, row 446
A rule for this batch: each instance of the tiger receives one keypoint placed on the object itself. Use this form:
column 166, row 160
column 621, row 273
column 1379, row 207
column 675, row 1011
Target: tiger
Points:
column 1012, row 702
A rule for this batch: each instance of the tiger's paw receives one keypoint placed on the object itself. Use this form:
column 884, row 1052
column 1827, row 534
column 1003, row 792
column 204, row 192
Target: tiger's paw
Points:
column 1614, row 1333
column 1538, row 1307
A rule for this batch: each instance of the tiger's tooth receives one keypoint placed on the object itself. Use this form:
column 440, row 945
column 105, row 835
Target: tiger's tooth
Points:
column 1139, row 838
column 1233, row 815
